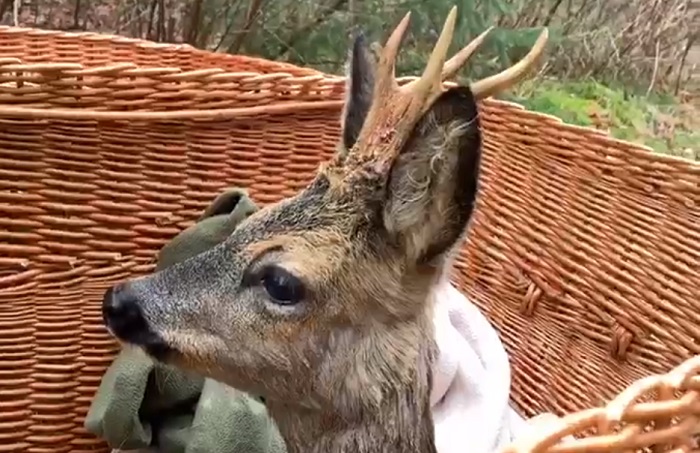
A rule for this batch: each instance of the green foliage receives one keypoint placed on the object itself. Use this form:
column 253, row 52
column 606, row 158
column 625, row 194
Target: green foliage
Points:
column 587, row 102
column 558, row 100
column 324, row 44
column 657, row 121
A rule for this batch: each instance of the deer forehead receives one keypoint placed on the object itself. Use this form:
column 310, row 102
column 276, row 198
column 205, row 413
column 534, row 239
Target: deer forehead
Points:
column 315, row 254
column 316, row 230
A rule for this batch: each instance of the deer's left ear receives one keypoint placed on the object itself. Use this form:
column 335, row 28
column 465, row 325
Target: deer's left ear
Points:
column 358, row 92
column 433, row 183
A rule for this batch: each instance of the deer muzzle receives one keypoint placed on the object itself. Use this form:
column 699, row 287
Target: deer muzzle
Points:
column 123, row 315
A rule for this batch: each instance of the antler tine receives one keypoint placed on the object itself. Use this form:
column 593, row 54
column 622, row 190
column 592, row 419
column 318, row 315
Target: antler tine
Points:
column 430, row 82
column 385, row 71
column 395, row 110
column 455, row 63
column 509, row 77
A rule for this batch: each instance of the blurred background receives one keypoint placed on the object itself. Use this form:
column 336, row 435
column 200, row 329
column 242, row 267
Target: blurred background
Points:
column 631, row 67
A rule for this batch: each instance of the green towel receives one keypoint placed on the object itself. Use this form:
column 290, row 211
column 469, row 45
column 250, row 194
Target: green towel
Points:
column 141, row 403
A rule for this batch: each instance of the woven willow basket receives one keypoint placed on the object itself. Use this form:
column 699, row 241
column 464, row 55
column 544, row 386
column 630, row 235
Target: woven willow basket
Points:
column 584, row 251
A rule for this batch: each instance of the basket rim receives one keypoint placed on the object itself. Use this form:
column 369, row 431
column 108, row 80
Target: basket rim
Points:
column 319, row 80
column 624, row 407
column 141, row 43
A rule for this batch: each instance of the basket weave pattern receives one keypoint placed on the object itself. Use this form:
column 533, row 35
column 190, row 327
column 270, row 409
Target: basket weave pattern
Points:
column 49, row 69
column 639, row 417
column 583, row 250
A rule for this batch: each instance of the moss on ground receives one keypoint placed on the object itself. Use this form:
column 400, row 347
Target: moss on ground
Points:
column 663, row 123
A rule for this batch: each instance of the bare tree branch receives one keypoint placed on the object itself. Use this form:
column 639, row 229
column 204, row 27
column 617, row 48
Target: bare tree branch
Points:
column 161, row 20
column 195, row 13
column 76, row 15
column 4, row 8
column 239, row 37
column 684, row 57
column 151, row 17
column 304, row 30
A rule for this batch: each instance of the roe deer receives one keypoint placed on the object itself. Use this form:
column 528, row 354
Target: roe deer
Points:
column 322, row 302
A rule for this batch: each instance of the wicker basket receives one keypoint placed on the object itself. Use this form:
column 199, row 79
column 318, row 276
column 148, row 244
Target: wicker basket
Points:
column 584, row 251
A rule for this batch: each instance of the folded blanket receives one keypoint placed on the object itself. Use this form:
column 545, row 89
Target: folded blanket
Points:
column 156, row 408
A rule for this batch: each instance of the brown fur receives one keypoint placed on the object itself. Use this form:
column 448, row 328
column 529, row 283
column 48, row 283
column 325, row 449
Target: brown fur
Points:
column 348, row 368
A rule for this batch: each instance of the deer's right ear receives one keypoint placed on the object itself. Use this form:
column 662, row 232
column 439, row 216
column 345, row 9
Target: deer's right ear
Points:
column 358, row 92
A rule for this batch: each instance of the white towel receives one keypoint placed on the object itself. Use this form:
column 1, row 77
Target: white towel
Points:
column 471, row 379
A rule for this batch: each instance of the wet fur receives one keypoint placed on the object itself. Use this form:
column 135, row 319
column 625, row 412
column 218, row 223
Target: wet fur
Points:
column 349, row 369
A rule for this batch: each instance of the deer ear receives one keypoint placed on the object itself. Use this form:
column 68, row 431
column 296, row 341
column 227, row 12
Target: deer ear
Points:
column 358, row 92
column 433, row 182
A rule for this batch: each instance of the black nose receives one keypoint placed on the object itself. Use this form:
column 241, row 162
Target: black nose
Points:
column 122, row 314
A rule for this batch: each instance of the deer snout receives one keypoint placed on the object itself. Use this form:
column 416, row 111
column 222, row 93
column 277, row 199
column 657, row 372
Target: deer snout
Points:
column 124, row 317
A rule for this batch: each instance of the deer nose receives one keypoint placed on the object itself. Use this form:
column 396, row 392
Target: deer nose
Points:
column 122, row 314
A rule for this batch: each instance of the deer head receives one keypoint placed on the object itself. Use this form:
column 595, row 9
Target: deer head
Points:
column 321, row 303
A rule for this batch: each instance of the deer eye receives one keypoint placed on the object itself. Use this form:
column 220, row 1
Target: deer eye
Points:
column 282, row 286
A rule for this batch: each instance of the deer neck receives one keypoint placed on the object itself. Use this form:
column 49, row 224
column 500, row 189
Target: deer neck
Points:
column 307, row 431
column 378, row 399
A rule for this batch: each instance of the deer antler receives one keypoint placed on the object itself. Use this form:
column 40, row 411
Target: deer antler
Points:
column 396, row 109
